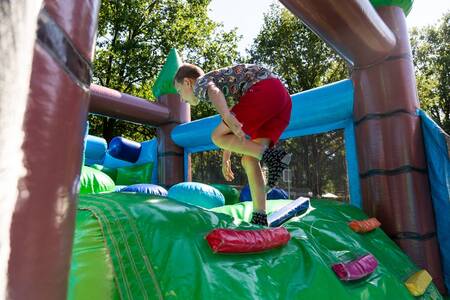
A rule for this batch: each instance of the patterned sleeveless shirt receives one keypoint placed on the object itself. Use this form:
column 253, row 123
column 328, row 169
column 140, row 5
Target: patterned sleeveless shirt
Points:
column 233, row 81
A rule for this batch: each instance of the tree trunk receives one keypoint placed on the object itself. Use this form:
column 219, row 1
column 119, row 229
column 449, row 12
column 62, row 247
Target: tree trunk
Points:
column 108, row 128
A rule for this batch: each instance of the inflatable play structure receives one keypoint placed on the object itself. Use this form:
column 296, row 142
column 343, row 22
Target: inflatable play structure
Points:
column 130, row 224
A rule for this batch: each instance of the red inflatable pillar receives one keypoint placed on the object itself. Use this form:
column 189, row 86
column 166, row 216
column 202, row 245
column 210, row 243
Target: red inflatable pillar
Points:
column 54, row 123
column 393, row 169
column 171, row 158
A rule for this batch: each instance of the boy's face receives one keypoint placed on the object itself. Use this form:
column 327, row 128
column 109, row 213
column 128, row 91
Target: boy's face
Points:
column 186, row 91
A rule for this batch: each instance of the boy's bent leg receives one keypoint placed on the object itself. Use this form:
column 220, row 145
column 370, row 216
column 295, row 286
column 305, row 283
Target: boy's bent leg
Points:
column 275, row 159
column 224, row 138
column 256, row 182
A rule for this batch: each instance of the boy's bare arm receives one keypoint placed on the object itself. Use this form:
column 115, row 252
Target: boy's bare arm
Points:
column 226, row 155
column 218, row 100
column 226, row 166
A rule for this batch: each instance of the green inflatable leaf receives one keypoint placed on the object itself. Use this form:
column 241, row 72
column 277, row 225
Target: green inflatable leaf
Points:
column 406, row 5
column 164, row 83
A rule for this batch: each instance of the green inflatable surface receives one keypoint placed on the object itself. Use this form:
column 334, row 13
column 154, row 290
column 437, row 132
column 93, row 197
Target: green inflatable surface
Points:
column 156, row 249
column 91, row 274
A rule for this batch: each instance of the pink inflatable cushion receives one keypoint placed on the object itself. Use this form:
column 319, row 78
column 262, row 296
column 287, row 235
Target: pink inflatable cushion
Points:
column 356, row 269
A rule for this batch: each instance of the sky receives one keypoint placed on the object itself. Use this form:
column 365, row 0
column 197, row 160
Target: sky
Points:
column 247, row 15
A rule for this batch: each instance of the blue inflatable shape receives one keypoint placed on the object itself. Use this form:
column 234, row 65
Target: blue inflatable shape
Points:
column 245, row 194
column 119, row 188
column 95, row 149
column 124, row 149
column 275, row 193
column 146, row 188
column 196, row 193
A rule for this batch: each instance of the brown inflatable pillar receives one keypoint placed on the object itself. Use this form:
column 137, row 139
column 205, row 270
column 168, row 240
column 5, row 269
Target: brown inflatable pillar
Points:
column 171, row 167
column 55, row 118
column 392, row 164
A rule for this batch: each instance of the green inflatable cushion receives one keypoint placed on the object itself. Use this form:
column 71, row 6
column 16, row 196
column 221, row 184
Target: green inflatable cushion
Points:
column 134, row 174
column 93, row 181
column 230, row 193
column 111, row 172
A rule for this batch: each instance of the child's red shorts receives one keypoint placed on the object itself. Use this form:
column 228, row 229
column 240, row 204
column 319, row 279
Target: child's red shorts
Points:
column 264, row 110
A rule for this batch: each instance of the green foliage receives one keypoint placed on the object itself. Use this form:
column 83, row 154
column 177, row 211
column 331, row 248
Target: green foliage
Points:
column 319, row 164
column 431, row 51
column 134, row 39
column 295, row 53
column 207, row 168
column 109, row 128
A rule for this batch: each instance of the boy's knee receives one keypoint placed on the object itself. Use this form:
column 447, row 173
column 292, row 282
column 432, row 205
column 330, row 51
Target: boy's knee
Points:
column 215, row 138
column 247, row 161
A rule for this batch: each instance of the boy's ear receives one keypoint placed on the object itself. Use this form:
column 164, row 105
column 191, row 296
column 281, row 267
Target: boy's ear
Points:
column 189, row 82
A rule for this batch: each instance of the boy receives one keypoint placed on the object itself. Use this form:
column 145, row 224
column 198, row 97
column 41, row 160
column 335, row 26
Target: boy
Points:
column 262, row 111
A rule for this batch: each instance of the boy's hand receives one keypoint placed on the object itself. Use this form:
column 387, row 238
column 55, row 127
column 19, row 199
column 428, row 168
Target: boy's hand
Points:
column 218, row 100
column 234, row 124
column 226, row 170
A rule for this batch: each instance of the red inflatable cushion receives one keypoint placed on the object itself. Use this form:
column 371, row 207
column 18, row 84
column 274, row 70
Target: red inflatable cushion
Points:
column 245, row 241
column 364, row 225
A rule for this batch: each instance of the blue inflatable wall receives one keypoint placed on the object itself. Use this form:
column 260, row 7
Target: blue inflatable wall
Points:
column 438, row 161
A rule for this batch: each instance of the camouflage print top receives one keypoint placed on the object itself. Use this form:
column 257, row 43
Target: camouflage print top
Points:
column 234, row 81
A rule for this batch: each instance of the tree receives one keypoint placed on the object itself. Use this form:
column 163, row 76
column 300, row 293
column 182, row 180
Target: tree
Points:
column 295, row 53
column 304, row 61
column 431, row 51
column 134, row 38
